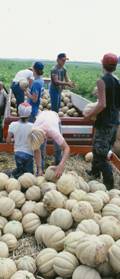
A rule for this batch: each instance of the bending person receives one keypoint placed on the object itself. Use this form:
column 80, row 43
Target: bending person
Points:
column 17, row 90
column 47, row 125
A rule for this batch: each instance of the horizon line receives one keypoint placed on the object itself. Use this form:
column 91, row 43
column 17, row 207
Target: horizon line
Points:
column 50, row 60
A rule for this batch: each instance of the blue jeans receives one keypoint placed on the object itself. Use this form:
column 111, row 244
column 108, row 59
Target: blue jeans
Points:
column 55, row 96
column 18, row 93
column 57, row 152
column 24, row 163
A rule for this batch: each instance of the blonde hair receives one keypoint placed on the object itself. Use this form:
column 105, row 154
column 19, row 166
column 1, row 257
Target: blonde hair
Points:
column 36, row 138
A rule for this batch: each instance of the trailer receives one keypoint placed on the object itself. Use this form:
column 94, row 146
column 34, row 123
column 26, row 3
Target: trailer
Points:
column 77, row 131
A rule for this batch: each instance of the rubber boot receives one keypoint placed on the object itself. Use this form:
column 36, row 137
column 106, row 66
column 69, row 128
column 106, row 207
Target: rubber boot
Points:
column 108, row 180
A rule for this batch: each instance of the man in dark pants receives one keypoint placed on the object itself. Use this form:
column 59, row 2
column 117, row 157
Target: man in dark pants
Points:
column 59, row 79
column 107, row 120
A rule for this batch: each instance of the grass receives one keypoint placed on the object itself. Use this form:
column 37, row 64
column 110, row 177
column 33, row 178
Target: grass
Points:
column 83, row 74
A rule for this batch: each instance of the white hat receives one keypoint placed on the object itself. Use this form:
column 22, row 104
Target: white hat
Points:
column 24, row 109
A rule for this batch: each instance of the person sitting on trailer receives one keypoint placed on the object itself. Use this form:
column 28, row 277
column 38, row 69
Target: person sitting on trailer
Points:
column 107, row 120
column 47, row 125
column 3, row 101
column 19, row 132
column 59, row 79
column 17, row 90
column 36, row 90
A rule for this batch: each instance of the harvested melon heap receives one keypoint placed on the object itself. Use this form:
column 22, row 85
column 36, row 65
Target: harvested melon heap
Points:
column 67, row 108
column 72, row 227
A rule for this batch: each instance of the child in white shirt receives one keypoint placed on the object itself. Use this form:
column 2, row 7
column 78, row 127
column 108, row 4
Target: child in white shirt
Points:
column 20, row 131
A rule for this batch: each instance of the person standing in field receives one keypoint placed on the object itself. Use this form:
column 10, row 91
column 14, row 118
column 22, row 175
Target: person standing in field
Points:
column 36, row 90
column 59, row 79
column 107, row 120
column 47, row 126
column 18, row 92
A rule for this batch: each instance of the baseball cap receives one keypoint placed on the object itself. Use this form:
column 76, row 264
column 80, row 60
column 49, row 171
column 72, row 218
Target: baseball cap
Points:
column 24, row 110
column 62, row 55
column 38, row 65
column 110, row 59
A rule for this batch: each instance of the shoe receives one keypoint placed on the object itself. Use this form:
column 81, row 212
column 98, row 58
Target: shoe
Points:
column 94, row 175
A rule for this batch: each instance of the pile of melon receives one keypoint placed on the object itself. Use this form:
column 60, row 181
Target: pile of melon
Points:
column 67, row 108
column 76, row 224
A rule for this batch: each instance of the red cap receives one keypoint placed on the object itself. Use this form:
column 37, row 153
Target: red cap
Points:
column 110, row 59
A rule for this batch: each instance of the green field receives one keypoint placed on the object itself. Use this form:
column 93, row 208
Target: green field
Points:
column 83, row 74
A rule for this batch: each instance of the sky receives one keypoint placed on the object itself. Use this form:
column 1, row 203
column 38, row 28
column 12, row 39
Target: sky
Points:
column 40, row 29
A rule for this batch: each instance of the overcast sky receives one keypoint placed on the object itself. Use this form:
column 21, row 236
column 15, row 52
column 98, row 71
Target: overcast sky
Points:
column 84, row 29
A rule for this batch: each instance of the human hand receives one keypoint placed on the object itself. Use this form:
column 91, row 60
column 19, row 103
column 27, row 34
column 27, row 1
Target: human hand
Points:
column 59, row 170
column 88, row 118
column 71, row 84
column 39, row 172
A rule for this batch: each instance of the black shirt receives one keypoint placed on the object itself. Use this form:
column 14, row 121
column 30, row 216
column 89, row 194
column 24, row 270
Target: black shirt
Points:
column 110, row 115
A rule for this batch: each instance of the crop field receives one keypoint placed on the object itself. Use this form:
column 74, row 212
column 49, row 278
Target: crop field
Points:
column 83, row 74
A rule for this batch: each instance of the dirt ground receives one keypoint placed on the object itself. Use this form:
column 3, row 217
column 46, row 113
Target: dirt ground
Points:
column 76, row 163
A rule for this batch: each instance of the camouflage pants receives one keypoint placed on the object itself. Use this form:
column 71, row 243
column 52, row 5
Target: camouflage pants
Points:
column 103, row 141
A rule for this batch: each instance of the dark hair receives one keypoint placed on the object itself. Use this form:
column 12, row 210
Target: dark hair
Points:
column 24, row 119
column 38, row 72
column 110, row 68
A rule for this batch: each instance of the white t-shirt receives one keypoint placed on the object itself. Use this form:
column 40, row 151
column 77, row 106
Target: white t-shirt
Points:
column 23, row 74
column 21, row 130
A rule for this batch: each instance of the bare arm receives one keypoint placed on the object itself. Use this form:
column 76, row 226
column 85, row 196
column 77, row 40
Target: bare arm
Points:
column 57, row 81
column 9, row 138
column 66, row 152
column 33, row 96
column 66, row 77
column 101, row 99
column 67, row 82
column 37, row 157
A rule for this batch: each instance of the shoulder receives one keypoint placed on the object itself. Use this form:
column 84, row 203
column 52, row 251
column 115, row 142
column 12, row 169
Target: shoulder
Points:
column 14, row 123
column 37, row 84
column 64, row 69
column 54, row 67
column 13, row 126
column 100, row 83
column 29, row 124
column 108, row 79
column 38, row 81
column 54, row 70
